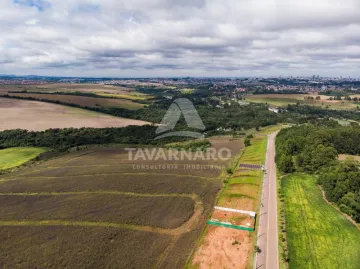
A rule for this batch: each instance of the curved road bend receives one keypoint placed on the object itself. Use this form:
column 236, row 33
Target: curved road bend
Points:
column 268, row 229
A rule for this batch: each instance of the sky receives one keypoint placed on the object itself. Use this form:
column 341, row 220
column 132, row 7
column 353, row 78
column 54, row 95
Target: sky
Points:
column 154, row 38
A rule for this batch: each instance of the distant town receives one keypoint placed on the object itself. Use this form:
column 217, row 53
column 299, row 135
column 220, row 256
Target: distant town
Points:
column 313, row 84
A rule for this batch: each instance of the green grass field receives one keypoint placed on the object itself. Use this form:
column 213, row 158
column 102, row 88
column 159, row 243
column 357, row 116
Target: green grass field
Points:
column 318, row 235
column 282, row 100
column 255, row 154
column 132, row 96
column 273, row 101
column 12, row 157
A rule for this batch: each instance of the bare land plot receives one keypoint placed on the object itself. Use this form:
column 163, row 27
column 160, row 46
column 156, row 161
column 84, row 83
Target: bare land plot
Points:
column 147, row 219
column 228, row 248
column 39, row 116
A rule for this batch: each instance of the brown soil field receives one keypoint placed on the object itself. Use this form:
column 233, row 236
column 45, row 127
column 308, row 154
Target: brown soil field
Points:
column 233, row 217
column 70, row 213
column 119, row 168
column 39, row 116
column 84, row 100
column 223, row 249
column 54, row 247
column 119, row 208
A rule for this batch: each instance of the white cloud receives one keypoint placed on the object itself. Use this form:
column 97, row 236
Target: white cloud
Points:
column 177, row 37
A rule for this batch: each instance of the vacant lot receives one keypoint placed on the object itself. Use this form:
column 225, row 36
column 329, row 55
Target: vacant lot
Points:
column 94, row 209
column 39, row 116
column 13, row 157
column 285, row 99
column 83, row 100
column 318, row 235
column 218, row 248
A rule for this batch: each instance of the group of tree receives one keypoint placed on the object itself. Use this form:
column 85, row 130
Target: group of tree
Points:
column 63, row 139
column 346, row 98
column 314, row 148
column 235, row 116
column 317, row 98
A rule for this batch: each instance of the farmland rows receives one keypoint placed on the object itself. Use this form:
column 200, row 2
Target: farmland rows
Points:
column 82, row 100
column 185, row 227
column 69, row 194
column 79, row 247
column 106, row 174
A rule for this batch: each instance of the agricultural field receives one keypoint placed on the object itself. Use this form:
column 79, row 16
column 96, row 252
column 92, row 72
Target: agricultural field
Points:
column 98, row 208
column 119, row 92
column 228, row 248
column 39, row 116
column 282, row 100
column 67, row 87
column 84, row 101
column 318, row 236
column 12, row 157
column 131, row 96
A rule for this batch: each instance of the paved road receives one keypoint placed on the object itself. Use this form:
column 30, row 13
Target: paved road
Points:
column 268, row 229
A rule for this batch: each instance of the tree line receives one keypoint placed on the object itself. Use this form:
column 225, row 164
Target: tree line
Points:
column 314, row 148
column 63, row 139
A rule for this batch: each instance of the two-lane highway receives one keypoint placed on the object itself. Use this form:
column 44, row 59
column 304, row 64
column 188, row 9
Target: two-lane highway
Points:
column 268, row 228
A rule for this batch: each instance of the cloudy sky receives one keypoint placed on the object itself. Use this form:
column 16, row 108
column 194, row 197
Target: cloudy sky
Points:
column 180, row 37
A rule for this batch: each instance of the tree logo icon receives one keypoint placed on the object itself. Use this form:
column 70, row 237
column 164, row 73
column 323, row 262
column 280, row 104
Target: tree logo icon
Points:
column 185, row 107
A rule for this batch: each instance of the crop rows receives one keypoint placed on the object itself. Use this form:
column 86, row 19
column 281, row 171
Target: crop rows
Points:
column 70, row 193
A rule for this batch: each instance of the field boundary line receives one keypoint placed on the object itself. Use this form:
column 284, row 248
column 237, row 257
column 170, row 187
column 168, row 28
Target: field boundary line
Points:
column 166, row 252
column 109, row 174
column 100, row 192
column 86, row 224
column 342, row 213
column 186, row 227
column 132, row 163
